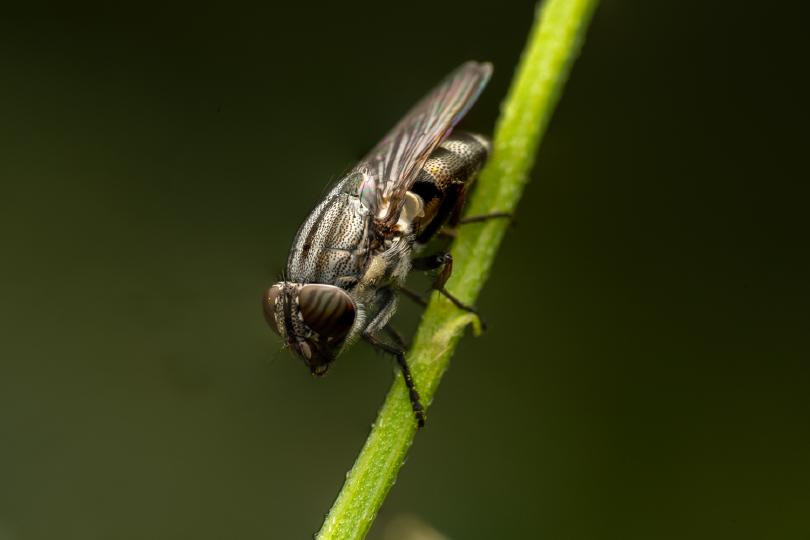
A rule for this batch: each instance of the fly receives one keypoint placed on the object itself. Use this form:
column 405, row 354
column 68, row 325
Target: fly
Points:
column 353, row 253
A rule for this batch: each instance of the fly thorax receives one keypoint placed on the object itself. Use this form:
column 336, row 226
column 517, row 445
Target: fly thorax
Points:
column 331, row 242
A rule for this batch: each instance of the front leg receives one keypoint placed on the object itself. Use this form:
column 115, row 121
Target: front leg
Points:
column 397, row 337
column 413, row 393
column 371, row 335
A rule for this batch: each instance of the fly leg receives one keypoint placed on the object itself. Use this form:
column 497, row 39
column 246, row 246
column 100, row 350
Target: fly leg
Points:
column 413, row 295
column 484, row 217
column 380, row 323
column 396, row 336
column 443, row 262
column 450, row 231
column 399, row 354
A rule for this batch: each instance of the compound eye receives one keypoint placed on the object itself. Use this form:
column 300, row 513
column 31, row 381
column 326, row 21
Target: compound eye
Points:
column 327, row 310
column 269, row 305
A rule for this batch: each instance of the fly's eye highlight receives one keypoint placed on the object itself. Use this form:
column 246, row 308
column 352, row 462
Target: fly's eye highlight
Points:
column 327, row 310
column 269, row 305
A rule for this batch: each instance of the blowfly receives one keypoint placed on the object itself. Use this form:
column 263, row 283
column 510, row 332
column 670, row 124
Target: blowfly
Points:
column 353, row 253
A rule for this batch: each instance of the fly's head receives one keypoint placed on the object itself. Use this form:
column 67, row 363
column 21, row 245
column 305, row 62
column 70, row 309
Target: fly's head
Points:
column 315, row 320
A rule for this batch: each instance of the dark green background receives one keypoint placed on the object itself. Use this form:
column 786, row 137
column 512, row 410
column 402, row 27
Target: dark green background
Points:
column 645, row 374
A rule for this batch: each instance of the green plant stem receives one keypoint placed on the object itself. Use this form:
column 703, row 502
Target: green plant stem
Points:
column 553, row 44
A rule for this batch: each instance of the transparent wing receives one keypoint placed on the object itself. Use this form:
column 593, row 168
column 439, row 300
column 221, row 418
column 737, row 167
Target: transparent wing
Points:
column 391, row 168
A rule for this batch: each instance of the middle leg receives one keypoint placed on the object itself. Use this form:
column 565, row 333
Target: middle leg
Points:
column 443, row 263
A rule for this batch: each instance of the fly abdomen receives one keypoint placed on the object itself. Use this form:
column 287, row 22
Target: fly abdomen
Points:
column 443, row 180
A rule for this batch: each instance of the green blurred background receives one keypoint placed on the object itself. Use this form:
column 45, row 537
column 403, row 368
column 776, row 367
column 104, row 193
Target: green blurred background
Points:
column 645, row 374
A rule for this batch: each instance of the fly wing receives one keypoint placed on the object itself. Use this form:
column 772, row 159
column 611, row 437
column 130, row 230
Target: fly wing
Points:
column 391, row 168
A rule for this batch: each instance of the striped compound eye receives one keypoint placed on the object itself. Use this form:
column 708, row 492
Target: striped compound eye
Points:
column 327, row 310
